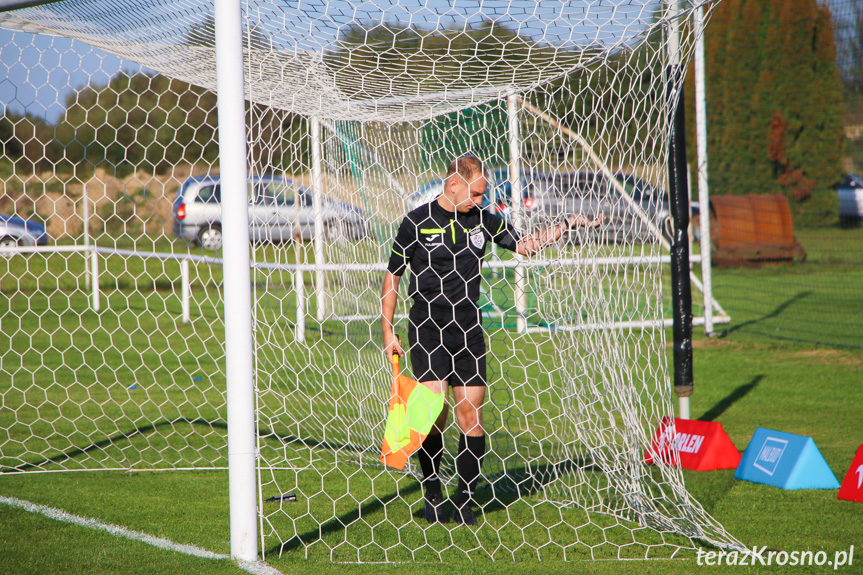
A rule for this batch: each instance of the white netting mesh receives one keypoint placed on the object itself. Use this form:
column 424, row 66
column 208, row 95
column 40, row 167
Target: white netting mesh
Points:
column 577, row 96
column 363, row 61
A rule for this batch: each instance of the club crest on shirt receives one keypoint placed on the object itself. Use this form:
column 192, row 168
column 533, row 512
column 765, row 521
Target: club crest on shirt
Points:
column 476, row 238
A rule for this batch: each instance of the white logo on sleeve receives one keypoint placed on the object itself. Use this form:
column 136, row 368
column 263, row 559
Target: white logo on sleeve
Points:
column 476, row 238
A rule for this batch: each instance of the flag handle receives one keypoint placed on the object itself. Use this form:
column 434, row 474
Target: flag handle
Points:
column 396, row 370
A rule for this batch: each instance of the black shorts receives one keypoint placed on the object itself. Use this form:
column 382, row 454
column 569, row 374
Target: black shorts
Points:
column 447, row 345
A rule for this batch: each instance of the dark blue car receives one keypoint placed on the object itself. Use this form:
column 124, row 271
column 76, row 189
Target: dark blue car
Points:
column 16, row 231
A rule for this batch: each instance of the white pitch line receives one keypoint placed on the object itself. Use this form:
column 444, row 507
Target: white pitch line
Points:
column 255, row 568
column 258, row 568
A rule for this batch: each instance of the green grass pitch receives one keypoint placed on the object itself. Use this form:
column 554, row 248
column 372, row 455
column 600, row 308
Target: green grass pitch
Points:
column 743, row 380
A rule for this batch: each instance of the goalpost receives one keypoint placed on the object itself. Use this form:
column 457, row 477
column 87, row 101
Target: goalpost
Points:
column 354, row 109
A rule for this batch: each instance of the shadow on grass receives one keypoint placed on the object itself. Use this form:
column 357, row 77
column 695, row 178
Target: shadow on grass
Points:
column 341, row 522
column 776, row 312
column 504, row 489
column 513, row 484
column 712, row 487
column 111, row 441
column 287, row 439
column 264, row 433
column 723, row 404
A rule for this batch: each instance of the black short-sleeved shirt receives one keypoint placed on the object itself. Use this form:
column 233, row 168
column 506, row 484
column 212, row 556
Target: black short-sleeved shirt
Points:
column 445, row 250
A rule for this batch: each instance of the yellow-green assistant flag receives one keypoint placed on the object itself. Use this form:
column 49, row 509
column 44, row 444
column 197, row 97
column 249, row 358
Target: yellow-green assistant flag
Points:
column 413, row 410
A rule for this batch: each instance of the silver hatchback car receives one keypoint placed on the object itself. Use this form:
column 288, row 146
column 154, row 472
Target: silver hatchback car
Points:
column 279, row 210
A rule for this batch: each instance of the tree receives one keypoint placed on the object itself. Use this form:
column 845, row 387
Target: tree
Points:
column 139, row 122
column 27, row 141
column 774, row 103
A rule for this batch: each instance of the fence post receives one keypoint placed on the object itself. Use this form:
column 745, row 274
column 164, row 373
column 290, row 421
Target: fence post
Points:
column 681, row 288
column 86, row 201
column 317, row 206
column 94, row 269
column 300, row 292
column 185, row 290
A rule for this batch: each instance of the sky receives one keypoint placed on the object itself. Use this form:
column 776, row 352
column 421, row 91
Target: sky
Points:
column 39, row 71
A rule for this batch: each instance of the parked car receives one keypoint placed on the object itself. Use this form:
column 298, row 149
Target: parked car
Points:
column 499, row 196
column 15, row 231
column 594, row 193
column 551, row 195
column 547, row 196
column 850, row 194
column 279, row 210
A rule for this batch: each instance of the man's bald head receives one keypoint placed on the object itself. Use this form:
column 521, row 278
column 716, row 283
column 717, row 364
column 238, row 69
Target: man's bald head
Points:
column 468, row 167
column 465, row 185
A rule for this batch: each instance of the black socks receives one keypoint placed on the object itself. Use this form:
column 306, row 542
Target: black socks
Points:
column 430, row 456
column 468, row 462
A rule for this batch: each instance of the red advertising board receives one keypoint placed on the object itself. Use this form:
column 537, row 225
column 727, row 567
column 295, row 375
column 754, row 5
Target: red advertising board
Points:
column 701, row 445
column 852, row 485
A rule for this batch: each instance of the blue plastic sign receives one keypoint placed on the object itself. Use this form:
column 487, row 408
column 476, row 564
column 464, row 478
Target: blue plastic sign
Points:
column 785, row 460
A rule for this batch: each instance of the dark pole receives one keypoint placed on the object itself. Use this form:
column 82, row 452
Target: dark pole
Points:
column 681, row 295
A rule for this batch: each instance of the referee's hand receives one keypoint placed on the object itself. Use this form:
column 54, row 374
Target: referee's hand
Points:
column 393, row 347
column 580, row 220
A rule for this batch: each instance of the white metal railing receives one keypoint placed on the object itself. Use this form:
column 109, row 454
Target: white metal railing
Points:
column 299, row 270
column 93, row 267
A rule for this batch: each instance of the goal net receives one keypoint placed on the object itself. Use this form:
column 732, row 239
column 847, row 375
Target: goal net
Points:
column 115, row 352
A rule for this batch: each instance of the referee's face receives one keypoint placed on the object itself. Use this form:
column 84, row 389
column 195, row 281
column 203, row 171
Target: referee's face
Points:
column 468, row 193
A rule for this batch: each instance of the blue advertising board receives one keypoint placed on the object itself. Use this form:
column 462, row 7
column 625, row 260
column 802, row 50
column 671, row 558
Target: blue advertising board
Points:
column 785, row 460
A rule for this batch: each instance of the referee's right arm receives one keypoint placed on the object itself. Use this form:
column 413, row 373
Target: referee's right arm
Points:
column 389, row 298
column 402, row 250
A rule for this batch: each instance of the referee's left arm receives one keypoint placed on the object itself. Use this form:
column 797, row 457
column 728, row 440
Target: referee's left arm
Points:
column 537, row 241
column 503, row 234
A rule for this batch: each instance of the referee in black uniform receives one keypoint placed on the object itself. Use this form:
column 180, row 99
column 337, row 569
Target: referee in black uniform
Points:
column 444, row 242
